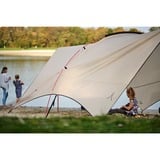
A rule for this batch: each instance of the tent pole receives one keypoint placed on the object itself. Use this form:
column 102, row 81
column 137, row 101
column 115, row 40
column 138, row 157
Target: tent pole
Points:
column 57, row 103
column 51, row 106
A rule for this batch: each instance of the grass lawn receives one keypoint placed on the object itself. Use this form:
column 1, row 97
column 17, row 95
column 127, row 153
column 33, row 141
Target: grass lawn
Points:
column 99, row 124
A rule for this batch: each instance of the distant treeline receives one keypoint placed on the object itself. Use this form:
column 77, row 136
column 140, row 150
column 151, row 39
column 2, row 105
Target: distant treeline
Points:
column 53, row 37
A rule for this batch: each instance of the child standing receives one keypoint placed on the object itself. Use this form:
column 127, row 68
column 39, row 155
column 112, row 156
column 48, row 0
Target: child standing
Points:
column 18, row 87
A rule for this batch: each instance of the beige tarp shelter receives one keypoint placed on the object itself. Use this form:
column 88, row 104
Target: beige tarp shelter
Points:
column 95, row 75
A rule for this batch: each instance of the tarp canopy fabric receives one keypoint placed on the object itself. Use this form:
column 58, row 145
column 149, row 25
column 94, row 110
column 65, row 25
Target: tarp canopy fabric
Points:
column 95, row 75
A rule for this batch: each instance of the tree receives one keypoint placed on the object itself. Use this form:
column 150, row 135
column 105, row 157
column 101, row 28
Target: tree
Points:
column 154, row 29
column 118, row 29
column 28, row 37
column 133, row 30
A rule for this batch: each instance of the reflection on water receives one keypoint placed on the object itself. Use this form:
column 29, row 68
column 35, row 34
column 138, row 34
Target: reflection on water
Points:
column 28, row 68
column 5, row 59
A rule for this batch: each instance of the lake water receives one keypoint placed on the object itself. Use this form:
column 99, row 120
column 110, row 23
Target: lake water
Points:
column 28, row 67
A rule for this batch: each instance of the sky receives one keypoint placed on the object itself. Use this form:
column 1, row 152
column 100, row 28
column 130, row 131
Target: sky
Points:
column 83, row 13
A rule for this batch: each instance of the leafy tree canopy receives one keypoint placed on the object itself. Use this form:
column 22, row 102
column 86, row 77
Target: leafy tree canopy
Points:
column 53, row 37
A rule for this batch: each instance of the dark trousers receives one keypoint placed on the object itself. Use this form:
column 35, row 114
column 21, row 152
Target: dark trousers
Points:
column 117, row 110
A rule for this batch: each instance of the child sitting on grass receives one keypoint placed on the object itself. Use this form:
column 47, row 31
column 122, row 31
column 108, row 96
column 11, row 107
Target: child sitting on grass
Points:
column 130, row 108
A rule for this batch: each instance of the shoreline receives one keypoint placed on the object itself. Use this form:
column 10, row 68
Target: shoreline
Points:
column 40, row 112
column 34, row 53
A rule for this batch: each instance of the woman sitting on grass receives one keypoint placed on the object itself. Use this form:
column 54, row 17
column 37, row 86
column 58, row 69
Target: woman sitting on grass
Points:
column 130, row 108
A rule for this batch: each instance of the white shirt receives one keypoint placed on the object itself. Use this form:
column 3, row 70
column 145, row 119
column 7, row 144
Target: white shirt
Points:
column 4, row 81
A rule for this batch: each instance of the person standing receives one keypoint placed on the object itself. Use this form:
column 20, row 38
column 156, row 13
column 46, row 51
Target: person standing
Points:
column 4, row 84
column 18, row 86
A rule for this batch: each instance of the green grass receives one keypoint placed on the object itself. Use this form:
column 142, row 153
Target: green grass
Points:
column 99, row 124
